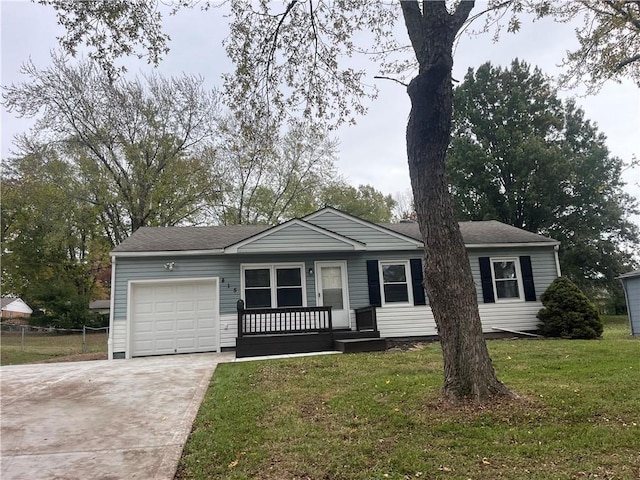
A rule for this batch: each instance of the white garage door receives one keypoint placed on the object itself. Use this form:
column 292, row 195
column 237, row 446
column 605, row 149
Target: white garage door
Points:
column 176, row 317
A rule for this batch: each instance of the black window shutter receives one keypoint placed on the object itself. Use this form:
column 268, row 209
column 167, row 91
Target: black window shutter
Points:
column 373, row 278
column 486, row 280
column 527, row 278
column 416, row 282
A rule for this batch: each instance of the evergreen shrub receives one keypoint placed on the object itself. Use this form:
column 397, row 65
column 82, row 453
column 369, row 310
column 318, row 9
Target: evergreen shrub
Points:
column 567, row 312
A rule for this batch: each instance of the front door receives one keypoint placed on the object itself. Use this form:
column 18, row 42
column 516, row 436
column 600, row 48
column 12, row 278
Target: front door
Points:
column 332, row 291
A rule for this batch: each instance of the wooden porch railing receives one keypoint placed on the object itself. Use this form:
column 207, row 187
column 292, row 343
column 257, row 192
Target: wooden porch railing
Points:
column 273, row 321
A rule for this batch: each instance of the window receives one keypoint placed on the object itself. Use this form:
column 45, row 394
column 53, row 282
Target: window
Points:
column 289, row 287
column 267, row 286
column 394, row 276
column 506, row 278
column 257, row 288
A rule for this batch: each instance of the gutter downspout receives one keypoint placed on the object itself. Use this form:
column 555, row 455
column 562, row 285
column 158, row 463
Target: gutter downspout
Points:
column 555, row 251
column 111, row 308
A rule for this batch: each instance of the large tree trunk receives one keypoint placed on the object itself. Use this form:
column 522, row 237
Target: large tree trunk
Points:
column 449, row 283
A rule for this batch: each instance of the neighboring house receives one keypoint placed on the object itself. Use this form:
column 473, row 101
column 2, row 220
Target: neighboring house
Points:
column 631, row 284
column 176, row 289
column 15, row 309
column 102, row 307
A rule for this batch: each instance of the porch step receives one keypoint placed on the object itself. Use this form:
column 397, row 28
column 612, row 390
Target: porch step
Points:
column 258, row 345
column 352, row 345
column 347, row 334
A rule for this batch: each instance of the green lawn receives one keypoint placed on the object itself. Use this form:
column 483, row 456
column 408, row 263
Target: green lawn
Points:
column 42, row 347
column 379, row 416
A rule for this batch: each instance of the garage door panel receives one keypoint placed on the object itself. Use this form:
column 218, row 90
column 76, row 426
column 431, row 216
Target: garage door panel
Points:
column 186, row 324
column 206, row 305
column 142, row 308
column 142, row 328
column 164, row 326
column 188, row 307
column 176, row 317
column 165, row 307
column 206, row 340
column 164, row 344
column 145, row 294
column 186, row 343
column 187, row 289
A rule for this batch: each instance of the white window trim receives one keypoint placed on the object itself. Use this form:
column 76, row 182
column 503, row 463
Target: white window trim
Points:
column 272, row 275
column 407, row 272
column 516, row 262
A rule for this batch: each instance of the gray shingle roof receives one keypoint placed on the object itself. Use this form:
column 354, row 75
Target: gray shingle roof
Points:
column 167, row 239
column 6, row 301
column 479, row 233
column 635, row 273
column 99, row 304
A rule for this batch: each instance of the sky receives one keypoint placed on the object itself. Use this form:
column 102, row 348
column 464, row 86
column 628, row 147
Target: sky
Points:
column 371, row 152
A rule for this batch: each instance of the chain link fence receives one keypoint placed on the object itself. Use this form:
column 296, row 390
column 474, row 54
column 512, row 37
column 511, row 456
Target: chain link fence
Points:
column 28, row 343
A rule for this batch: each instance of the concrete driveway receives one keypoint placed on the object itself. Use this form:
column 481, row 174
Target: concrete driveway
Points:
column 118, row 419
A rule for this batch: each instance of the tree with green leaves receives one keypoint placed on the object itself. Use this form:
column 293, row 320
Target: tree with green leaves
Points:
column 522, row 156
column 364, row 201
column 267, row 177
column 136, row 144
column 567, row 312
column 293, row 58
column 53, row 248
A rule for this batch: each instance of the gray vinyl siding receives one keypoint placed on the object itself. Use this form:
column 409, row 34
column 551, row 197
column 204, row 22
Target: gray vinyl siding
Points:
column 227, row 268
column 152, row 268
column 403, row 321
column 543, row 265
column 357, row 269
column 632, row 291
column 295, row 237
column 374, row 238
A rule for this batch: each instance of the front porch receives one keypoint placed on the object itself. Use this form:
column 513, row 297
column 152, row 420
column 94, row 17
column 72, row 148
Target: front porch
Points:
column 273, row 331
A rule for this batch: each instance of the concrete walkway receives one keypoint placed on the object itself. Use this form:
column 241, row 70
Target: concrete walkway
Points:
column 121, row 419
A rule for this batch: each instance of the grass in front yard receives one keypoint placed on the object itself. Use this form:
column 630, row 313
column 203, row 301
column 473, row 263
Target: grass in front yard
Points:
column 379, row 416
column 43, row 347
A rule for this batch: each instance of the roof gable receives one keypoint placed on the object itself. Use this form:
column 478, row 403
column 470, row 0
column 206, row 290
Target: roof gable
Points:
column 10, row 304
column 376, row 237
column 295, row 236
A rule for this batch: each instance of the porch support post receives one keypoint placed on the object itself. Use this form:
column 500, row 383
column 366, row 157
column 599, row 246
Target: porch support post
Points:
column 240, row 307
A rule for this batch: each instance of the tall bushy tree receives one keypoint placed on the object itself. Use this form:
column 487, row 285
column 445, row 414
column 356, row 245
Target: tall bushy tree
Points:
column 53, row 248
column 136, row 144
column 521, row 156
column 364, row 201
column 268, row 176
